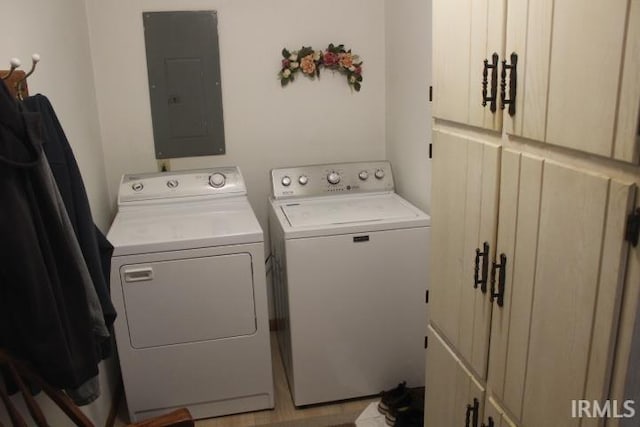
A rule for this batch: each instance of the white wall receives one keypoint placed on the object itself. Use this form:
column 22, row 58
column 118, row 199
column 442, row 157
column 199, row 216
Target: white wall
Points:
column 266, row 126
column 408, row 64
column 58, row 31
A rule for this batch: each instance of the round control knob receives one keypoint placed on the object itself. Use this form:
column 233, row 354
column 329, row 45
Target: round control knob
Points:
column 363, row 175
column 172, row 183
column 137, row 186
column 217, row 180
column 303, row 179
column 379, row 173
column 333, row 178
column 286, row 181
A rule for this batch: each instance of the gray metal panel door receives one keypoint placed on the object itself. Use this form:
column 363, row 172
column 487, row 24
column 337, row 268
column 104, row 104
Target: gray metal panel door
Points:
column 184, row 83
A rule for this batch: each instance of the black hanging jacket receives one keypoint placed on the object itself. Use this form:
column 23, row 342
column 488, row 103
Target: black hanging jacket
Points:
column 44, row 317
column 94, row 245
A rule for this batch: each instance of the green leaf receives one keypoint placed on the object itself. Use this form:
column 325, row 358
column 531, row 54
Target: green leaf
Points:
column 285, row 53
column 356, row 86
column 306, row 50
column 283, row 82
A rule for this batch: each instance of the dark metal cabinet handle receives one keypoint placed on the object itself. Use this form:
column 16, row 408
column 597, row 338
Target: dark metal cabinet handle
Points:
column 493, row 66
column 632, row 234
column 513, row 82
column 472, row 415
column 480, row 278
column 489, row 423
column 502, row 266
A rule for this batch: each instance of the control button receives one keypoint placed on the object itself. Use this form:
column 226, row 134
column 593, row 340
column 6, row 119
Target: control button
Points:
column 379, row 173
column 303, row 180
column 137, row 186
column 363, row 175
column 333, row 178
column 217, row 180
column 172, row 183
column 286, row 181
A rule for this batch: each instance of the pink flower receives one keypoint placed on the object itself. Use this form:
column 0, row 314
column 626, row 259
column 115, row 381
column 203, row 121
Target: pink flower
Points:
column 308, row 65
column 358, row 70
column 285, row 63
column 330, row 59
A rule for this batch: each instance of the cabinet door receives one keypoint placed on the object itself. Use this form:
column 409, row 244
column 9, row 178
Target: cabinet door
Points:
column 465, row 33
column 464, row 200
column 494, row 415
column 578, row 67
column 562, row 231
column 452, row 394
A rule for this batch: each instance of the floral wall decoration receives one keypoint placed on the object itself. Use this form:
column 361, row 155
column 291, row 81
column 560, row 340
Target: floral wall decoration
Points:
column 310, row 61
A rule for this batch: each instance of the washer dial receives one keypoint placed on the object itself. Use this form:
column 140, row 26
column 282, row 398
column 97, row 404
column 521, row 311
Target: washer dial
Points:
column 363, row 175
column 137, row 186
column 286, row 181
column 303, row 179
column 217, row 180
column 172, row 183
column 333, row 178
column 379, row 173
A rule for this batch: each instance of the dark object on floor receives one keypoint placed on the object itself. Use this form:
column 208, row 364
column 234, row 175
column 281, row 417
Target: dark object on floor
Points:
column 391, row 398
column 406, row 409
column 20, row 372
column 412, row 417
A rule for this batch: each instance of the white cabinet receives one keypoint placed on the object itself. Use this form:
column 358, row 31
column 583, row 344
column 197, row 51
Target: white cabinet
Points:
column 575, row 80
column 553, row 296
column 550, row 193
column 464, row 35
column 453, row 397
column 552, row 340
column 495, row 416
column 464, row 216
column 578, row 68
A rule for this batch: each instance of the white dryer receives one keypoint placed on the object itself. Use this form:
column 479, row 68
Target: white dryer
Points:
column 350, row 262
column 188, row 281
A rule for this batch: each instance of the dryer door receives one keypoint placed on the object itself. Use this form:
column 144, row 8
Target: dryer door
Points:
column 189, row 300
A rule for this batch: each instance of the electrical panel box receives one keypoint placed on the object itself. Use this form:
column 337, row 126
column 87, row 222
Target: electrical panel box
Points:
column 185, row 87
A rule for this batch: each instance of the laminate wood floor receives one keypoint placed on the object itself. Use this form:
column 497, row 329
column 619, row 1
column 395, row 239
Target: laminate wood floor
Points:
column 284, row 412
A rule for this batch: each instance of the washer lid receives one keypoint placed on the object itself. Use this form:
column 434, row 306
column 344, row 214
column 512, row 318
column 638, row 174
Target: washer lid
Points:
column 347, row 210
column 188, row 225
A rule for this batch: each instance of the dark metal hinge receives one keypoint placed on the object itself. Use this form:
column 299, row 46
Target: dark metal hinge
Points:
column 430, row 93
column 426, row 342
column 430, row 150
column 632, row 234
column 426, row 297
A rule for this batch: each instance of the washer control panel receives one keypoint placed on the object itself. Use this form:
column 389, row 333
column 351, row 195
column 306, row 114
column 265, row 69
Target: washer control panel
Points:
column 173, row 186
column 338, row 178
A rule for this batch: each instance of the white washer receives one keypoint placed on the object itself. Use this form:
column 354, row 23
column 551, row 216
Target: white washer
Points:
column 188, row 281
column 350, row 262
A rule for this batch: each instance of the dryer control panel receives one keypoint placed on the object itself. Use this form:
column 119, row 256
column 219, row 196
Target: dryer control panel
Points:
column 179, row 185
column 331, row 179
